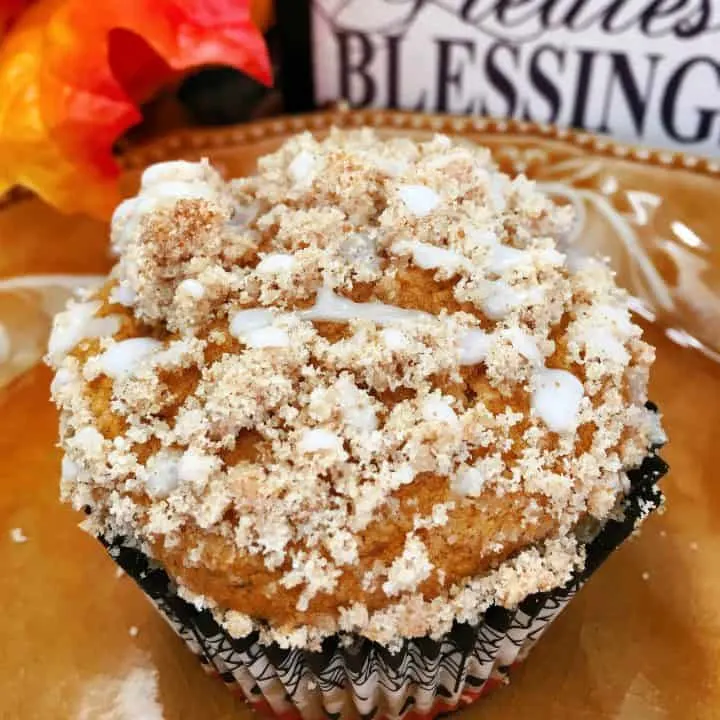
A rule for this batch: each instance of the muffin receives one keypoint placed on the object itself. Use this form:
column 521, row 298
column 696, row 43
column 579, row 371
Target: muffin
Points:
column 354, row 423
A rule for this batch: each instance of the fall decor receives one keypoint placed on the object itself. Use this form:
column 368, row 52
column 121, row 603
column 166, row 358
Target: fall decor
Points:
column 72, row 76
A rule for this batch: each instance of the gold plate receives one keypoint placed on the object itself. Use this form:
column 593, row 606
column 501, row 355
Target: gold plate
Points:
column 641, row 641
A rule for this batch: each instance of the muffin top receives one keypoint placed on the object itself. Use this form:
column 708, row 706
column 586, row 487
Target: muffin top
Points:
column 360, row 391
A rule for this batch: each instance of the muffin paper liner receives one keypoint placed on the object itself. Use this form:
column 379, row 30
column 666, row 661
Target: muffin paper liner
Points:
column 352, row 676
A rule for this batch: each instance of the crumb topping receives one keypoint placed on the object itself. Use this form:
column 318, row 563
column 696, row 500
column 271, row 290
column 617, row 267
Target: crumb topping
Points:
column 359, row 391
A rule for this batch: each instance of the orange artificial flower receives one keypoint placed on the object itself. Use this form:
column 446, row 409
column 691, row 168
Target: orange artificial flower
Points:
column 72, row 74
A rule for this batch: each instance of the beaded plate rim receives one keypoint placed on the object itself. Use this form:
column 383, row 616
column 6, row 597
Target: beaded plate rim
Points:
column 199, row 139
column 208, row 139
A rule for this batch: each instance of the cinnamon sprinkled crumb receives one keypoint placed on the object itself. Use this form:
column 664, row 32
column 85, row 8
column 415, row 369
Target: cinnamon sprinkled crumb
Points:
column 314, row 381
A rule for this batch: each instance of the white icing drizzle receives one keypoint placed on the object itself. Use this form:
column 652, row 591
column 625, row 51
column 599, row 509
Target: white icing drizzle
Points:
column 420, row 200
column 391, row 166
column 303, row 168
column 445, row 160
column 170, row 191
column 330, row 307
column 556, row 395
column 603, row 343
column 127, row 356
column 255, row 328
column 161, row 473
column 482, row 238
column 497, row 192
column 69, row 469
column 266, row 337
column 394, row 338
column 89, row 438
column 63, row 377
column 502, row 299
column 523, row 343
column 474, row 345
column 437, row 409
column 244, row 320
column 468, row 481
column 552, row 256
column 123, row 294
column 192, row 288
column 431, row 257
column 78, row 323
column 618, row 316
column 172, row 171
column 503, row 257
column 195, row 467
column 125, row 221
column 556, row 398
column 603, row 332
column 360, row 417
column 319, row 439
column 275, row 263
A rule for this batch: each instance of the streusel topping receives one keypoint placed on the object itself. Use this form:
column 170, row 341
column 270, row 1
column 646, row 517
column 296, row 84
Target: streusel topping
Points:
column 358, row 391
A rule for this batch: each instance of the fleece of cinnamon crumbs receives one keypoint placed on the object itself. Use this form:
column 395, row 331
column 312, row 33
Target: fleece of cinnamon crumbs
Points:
column 360, row 391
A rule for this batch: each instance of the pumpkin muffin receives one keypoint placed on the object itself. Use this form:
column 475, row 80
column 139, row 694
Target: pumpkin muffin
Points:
column 360, row 394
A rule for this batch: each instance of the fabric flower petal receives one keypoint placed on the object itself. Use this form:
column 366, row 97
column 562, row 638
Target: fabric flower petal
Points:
column 71, row 80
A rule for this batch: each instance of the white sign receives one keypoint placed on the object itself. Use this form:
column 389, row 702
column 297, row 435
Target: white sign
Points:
column 643, row 71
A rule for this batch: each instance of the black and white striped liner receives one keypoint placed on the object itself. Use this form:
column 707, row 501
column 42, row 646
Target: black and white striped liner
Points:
column 354, row 677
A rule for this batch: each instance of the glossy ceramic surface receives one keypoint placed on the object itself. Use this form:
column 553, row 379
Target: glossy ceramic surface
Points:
column 640, row 642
